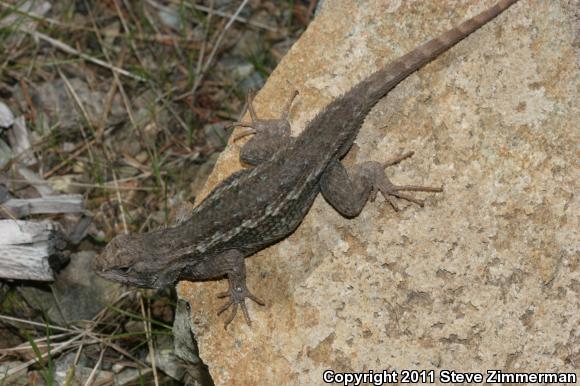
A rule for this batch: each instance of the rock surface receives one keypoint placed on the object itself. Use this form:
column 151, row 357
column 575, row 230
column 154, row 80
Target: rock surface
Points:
column 77, row 293
column 485, row 276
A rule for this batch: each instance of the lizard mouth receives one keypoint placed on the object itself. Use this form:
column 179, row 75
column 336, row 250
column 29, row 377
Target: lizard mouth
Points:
column 97, row 264
column 111, row 257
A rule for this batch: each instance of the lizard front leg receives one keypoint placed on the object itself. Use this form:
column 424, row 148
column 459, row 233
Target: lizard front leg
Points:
column 348, row 194
column 235, row 267
column 269, row 135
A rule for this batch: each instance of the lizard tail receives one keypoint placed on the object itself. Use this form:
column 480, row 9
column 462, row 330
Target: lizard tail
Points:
column 384, row 80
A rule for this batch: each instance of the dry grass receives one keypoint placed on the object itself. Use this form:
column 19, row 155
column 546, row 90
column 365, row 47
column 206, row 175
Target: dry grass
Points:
column 104, row 331
column 125, row 101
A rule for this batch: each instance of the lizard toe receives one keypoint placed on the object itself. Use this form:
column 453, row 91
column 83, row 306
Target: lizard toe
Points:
column 231, row 317
column 237, row 297
column 389, row 190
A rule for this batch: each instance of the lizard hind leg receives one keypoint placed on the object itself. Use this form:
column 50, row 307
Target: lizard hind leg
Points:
column 384, row 185
column 349, row 193
column 269, row 135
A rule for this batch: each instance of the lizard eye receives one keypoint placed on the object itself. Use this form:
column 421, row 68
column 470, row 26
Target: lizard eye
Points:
column 125, row 270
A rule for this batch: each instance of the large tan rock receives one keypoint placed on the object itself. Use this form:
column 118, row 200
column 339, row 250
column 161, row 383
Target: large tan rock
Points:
column 485, row 276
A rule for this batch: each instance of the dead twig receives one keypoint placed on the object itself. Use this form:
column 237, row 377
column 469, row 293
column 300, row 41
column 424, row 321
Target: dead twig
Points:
column 147, row 327
column 211, row 11
column 69, row 50
column 209, row 61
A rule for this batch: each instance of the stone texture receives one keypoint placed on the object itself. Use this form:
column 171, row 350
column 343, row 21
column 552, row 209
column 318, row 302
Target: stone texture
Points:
column 486, row 275
column 77, row 293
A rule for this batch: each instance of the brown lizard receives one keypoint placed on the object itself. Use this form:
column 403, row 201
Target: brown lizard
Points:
column 256, row 207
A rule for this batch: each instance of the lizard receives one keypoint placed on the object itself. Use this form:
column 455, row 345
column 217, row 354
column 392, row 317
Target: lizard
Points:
column 260, row 205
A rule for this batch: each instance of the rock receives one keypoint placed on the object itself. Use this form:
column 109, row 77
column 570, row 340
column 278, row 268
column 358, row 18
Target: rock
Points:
column 6, row 116
column 17, row 379
column 5, row 154
column 485, row 275
column 85, row 293
column 216, row 135
column 186, row 349
column 4, row 193
column 166, row 360
column 79, row 292
column 128, row 376
column 20, row 140
column 170, row 18
column 67, row 371
column 185, row 346
column 56, row 106
column 246, row 73
column 24, row 18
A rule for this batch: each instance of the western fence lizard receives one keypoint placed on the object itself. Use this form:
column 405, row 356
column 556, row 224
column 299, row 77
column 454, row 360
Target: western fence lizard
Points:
column 256, row 207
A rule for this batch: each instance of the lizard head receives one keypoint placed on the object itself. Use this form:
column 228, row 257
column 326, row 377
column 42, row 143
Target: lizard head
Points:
column 126, row 259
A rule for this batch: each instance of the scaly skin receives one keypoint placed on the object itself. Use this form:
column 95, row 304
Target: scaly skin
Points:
column 256, row 207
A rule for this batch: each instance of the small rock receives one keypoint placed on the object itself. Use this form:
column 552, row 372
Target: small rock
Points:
column 128, row 376
column 66, row 184
column 6, row 116
column 166, row 360
column 78, row 167
column 65, row 367
column 55, row 105
column 170, row 18
column 244, row 70
column 216, row 135
column 5, row 153
column 185, row 349
column 135, row 327
column 79, row 292
column 185, row 346
column 253, row 82
column 161, row 309
column 19, row 138
column 142, row 157
column 4, row 194
column 18, row 379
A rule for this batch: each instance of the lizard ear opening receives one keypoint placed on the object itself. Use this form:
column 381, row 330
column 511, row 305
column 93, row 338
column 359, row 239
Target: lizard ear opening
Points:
column 166, row 278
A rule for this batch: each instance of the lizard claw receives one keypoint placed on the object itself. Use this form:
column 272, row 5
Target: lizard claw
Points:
column 389, row 190
column 232, row 315
column 278, row 126
column 237, row 298
column 398, row 159
column 250, row 130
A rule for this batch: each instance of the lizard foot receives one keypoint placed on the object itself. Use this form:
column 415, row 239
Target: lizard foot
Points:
column 381, row 183
column 275, row 127
column 237, row 296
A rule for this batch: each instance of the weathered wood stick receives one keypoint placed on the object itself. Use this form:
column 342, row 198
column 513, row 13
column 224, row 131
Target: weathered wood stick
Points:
column 25, row 248
column 18, row 208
